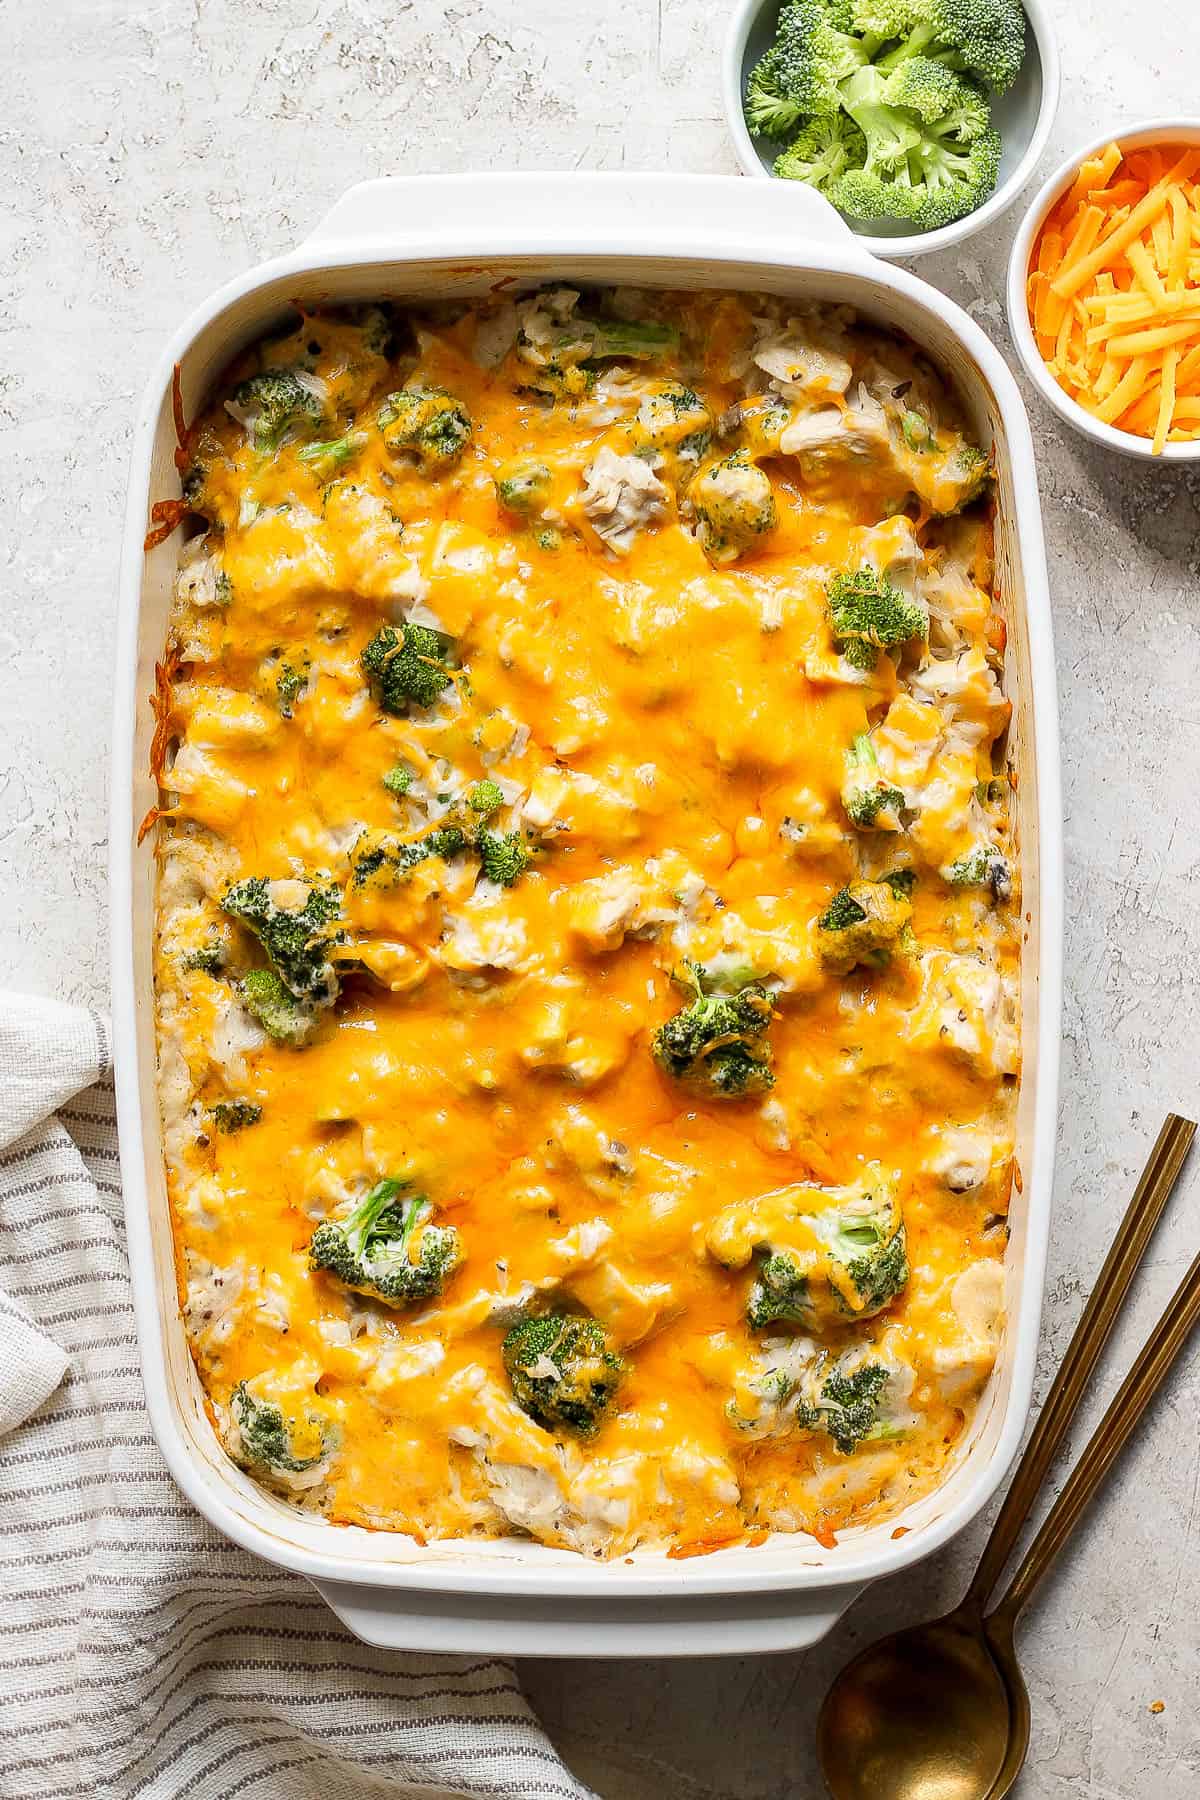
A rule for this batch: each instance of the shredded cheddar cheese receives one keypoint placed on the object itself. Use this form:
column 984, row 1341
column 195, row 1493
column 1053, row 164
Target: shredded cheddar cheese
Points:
column 588, row 927
column 1114, row 291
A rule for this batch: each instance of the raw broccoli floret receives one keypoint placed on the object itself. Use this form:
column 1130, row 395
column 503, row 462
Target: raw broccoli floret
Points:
column 426, row 423
column 523, row 487
column 951, row 178
column 985, row 866
column 769, row 111
column 870, row 802
column 734, row 504
column 563, row 1371
column 327, row 457
column 800, row 75
column 275, row 1008
column 235, row 1115
column 485, row 798
column 718, row 1044
column 889, row 133
column 863, row 924
column 504, row 855
column 277, row 404
column 867, row 614
column 939, row 95
column 984, row 37
column 271, row 1443
column 296, row 939
column 822, row 151
column 407, row 666
column 386, row 1248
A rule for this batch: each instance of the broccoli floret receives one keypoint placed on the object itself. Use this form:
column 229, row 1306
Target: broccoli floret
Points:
column 769, row 111
column 235, row 1115
column 523, row 487
column 986, row 38
column 398, row 780
column 828, row 1258
column 565, row 347
column 889, row 133
column 780, row 1293
column 384, row 861
column 870, row 802
column 386, row 1247
column 276, row 405
column 718, row 1044
column 815, row 56
column 901, row 882
column 867, row 614
column 863, row 924
column 865, row 194
column 270, row 1443
column 426, row 423
column 641, row 340
column 822, row 151
column 850, row 1404
column 965, row 472
column 936, row 94
column 332, row 454
column 209, row 959
column 289, row 686
column 504, row 855
column 407, row 665
column 734, row 504
column 952, row 178
column 296, row 939
column 985, row 866
column 485, row 798
column 378, row 329
column 276, row 1008
column 563, row 1371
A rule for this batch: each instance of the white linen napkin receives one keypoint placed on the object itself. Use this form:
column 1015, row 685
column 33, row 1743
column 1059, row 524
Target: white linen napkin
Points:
column 145, row 1656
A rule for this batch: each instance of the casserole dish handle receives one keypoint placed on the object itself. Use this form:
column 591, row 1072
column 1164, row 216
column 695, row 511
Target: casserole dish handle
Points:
column 734, row 1624
column 579, row 213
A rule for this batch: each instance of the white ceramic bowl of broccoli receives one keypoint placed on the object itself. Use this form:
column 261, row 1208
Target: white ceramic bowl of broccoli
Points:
column 1021, row 115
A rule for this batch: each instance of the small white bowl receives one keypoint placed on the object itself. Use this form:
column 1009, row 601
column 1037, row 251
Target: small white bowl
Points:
column 1151, row 131
column 1023, row 118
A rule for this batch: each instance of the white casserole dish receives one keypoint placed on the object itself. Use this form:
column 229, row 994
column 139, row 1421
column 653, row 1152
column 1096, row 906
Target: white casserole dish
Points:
column 458, row 236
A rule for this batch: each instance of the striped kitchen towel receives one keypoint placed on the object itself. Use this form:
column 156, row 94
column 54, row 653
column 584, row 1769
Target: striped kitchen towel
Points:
column 141, row 1653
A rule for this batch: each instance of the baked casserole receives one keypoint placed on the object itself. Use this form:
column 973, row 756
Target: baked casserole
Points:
column 588, row 920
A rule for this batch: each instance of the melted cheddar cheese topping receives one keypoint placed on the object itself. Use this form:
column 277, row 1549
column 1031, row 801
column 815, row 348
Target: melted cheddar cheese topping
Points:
column 556, row 847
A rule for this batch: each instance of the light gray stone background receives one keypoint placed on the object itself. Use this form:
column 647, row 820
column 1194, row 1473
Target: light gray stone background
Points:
column 151, row 151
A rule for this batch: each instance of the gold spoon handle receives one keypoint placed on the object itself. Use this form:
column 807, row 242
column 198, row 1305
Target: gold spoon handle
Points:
column 1091, row 1335
column 1134, row 1395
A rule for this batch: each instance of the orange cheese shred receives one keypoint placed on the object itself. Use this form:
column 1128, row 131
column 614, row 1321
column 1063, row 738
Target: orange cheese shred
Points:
column 1113, row 290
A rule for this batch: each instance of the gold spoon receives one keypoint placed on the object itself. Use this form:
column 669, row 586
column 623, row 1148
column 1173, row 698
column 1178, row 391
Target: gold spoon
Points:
column 926, row 1714
column 1086, row 1478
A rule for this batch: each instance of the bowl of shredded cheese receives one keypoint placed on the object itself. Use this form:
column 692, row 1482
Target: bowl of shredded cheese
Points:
column 1104, row 291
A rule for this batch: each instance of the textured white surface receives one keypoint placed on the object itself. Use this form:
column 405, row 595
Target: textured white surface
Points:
column 150, row 151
